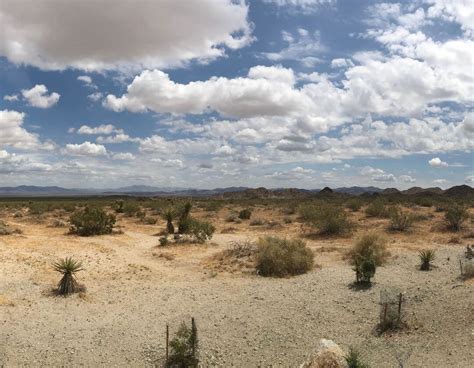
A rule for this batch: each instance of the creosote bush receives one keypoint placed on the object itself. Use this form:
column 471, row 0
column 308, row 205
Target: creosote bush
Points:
column 200, row 230
column 426, row 257
column 90, row 221
column 455, row 216
column 283, row 257
column 184, row 348
column 376, row 209
column 366, row 255
column 245, row 214
column 400, row 220
column 327, row 219
column 68, row 267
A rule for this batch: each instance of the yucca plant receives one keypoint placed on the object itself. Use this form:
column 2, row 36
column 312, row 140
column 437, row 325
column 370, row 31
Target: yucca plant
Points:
column 426, row 257
column 353, row 359
column 169, row 217
column 68, row 267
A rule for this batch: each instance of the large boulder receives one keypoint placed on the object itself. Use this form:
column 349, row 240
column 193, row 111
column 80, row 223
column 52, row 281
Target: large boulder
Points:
column 327, row 355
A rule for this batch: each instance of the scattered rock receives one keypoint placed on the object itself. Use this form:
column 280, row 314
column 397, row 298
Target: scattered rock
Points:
column 328, row 355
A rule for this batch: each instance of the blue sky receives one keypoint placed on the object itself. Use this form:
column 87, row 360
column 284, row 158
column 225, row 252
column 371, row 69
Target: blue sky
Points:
column 208, row 93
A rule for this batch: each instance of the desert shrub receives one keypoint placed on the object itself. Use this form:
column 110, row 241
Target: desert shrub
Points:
column 231, row 218
column 184, row 215
column 287, row 220
column 257, row 222
column 282, row 257
column 354, row 204
column 426, row 257
column 200, row 230
column 455, row 216
column 149, row 220
column 366, row 255
column 68, row 267
column 354, row 360
column 328, row 219
column 4, row 229
column 118, row 206
column 245, row 214
column 399, row 219
column 240, row 249
column 130, row 209
column 376, row 209
column 91, row 221
column 164, row 241
column 184, row 348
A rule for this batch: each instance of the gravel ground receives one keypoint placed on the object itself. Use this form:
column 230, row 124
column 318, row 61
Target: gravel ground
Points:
column 243, row 320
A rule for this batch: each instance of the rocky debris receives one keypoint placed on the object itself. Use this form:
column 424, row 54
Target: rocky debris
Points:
column 327, row 355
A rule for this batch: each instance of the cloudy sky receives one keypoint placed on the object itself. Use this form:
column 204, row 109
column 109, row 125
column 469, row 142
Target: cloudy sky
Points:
column 213, row 93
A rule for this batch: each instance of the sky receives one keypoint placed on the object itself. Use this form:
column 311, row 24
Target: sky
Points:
column 219, row 93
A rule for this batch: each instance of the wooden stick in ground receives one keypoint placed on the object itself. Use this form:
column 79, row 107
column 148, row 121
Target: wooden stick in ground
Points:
column 167, row 340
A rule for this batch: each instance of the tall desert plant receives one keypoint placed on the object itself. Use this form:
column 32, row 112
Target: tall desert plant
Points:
column 68, row 267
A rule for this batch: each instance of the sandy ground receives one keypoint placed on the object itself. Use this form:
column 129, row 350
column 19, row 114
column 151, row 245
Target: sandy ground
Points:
column 134, row 289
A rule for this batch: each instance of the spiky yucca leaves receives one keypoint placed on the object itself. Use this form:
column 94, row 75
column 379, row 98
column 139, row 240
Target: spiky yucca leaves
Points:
column 169, row 217
column 183, row 222
column 353, row 359
column 67, row 267
column 426, row 257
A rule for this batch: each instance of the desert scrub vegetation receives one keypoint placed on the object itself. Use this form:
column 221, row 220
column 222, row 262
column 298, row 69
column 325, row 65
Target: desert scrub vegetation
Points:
column 366, row 255
column 328, row 219
column 400, row 220
column 283, row 257
column 427, row 256
column 376, row 208
column 68, row 267
column 90, row 221
column 455, row 216
column 245, row 214
column 184, row 348
column 354, row 204
column 354, row 359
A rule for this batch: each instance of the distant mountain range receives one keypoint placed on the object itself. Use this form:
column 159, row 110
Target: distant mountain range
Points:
column 230, row 192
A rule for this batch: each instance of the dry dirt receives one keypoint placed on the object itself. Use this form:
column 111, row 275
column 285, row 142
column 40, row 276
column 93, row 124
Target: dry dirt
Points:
column 134, row 289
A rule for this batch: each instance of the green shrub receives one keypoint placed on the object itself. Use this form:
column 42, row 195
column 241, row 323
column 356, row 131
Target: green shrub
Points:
column 245, row 214
column 455, row 216
column 366, row 255
column 328, row 219
column 400, row 220
column 282, row 257
column 426, row 257
column 201, row 230
column 164, row 241
column 354, row 360
column 91, row 221
column 184, row 348
column 149, row 220
column 118, row 206
column 376, row 209
column 354, row 204
column 130, row 209
column 184, row 214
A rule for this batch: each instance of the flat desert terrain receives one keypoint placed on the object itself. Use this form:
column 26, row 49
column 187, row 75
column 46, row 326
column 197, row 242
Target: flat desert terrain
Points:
column 135, row 288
